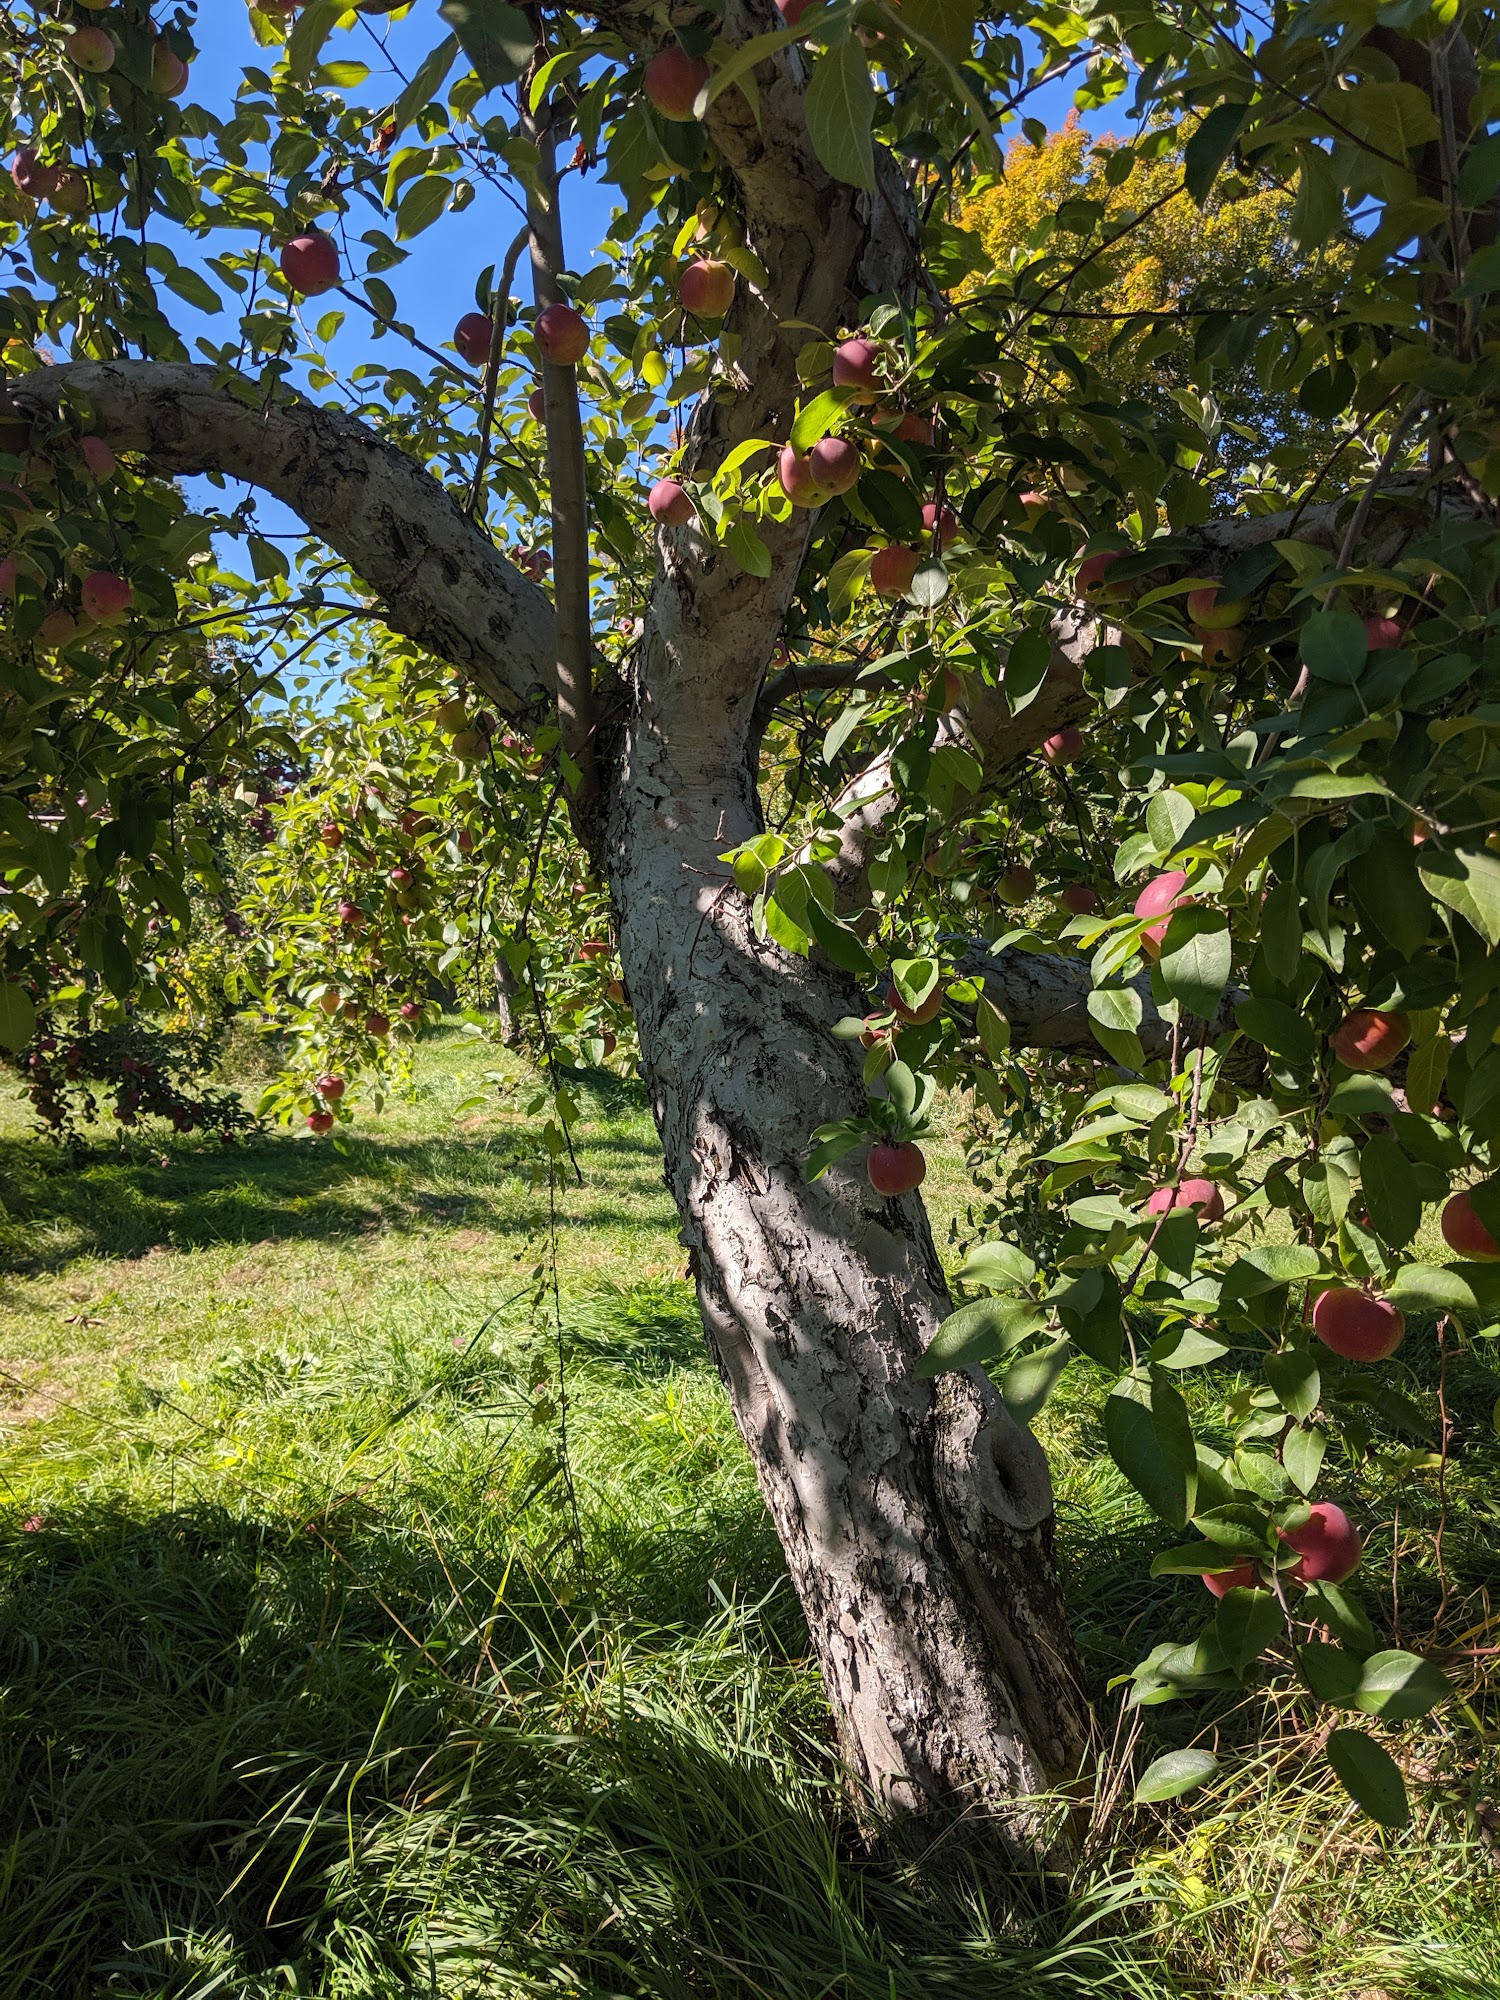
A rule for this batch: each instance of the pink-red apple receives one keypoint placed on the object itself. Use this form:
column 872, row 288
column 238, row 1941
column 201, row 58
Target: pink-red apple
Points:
column 97, row 456
column 896, row 1169
column 377, row 1024
column 1160, row 897
column 1328, row 1544
column 1370, row 1038
column 1065, row 746
column 706, row 287
column 536, row 405
column 673, row 80
column 1079, row 900
column 797, row 480
column 320, row 1122
column 893, row 568
column 473, row 337
column 1243, row 1575
column 835, row 464
column 1383, row 635
column 562, row 334
column 105, row 597
column 1205, row 1196
column 92, row 50
column 942, row 526
column 856, row 366
column 670, row 503
column 1357, row 1325
column 1464, row 1232
column 310, row 263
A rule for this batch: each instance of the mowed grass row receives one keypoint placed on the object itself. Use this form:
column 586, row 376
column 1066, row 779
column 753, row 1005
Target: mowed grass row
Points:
column 324, row 1670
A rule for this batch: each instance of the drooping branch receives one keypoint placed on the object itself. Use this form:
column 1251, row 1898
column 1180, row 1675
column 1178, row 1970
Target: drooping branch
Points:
column 437, row 577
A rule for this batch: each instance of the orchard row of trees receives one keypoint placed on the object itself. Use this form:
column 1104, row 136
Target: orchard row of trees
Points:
column 913, row 614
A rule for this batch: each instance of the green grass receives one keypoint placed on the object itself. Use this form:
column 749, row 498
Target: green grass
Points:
column 311, row 1681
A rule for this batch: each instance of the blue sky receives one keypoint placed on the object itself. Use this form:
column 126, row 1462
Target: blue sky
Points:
column 435, row 285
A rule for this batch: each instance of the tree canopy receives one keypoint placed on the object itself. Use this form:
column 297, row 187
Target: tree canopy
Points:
column 1090, row 547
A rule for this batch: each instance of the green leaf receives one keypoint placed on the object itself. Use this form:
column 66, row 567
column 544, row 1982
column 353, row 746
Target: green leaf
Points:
column 1197, row 958
column 1334, row 646
column 839, row 942
column 17, row 1016
column 1370, row 1776
column 1431, row 1288
column 840, row 111
column 1281, row 932
column 981, row 1331
column 1027, row 1383
column 1150, row 1438
column 423, row 202
column 949, row 23
column 1278, row 1028
column 1168, row 816
column 929, row 586
column 497, row 39
column 1246, row 1622
column 1331, row 1673
column 1393, row 1201
column 1170, row 1777
column 1115, row 1013
column 1388, row 893
column 1026, row 663
column 1209, row 147
column 1005, row 1266
column 1400, row 1686
column 1302, row 1453
column 1468, row 883
column 1268, row 1267
column 1293, row 1374
column 747, row 548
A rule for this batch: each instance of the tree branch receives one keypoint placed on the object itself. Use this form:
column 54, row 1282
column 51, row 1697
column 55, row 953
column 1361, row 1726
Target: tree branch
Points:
column 439, row 578
column 567, row 476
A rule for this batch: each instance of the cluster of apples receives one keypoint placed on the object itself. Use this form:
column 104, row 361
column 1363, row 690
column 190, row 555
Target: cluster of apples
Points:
column 93, row 50
column 1328, row 1546
column 104, row 597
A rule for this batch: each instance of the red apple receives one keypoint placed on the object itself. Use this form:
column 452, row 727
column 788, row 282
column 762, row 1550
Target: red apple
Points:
column 320, row 1122
column 92, row 50
column 835, row 464
column 673, row 80
column 331, row 1001
column 8, row 575
column 706, row 288
column 1065, row 746
column 310, row 263
column 913, row 429
column 331, row 834
column 410, row 1010
column 670, row 503
column 1205, row 1196
column 1383, row 635
column 1160, row 897
column 856, row 366
column 169, row 73
column 797, row 480
column 1219, row 649
column 105, row 597
column 57, row 628
column 1369, row 1038
column 351, row 915
column 1079, row 900
column 1357, row 1325
column 943, row 528
column 614, row 989
column 377, row 1024
column 914, row 1016
column 1091, row 579
column 893, row 568
column 97, row 456
column 33, row 176
column 896, row 1169
column 536, row 406
column 1243, row 1575
column 1327, row 1543
column 562, row 334
column 1016, row 884
column 791, row 11
column 330, row 1087
column 1205, row 609
column 473, row 337
column 1464, row 1232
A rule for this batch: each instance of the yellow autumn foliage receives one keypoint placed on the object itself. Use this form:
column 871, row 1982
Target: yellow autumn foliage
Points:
column 1173, row 256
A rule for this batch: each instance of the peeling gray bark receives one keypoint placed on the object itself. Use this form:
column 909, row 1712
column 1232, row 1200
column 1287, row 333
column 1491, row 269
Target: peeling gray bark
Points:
column 439, row 579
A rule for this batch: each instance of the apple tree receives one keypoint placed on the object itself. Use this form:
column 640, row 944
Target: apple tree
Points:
column 928, row 695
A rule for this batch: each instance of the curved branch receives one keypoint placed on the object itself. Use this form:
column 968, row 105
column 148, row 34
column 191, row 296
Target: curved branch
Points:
column 440, row 579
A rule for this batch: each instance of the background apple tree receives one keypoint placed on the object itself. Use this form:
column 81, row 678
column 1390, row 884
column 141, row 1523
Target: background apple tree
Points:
column 1127, row 752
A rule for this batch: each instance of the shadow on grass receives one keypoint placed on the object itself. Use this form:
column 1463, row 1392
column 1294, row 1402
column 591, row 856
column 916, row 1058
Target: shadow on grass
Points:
column 54, row 1208
column 260, row 1756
